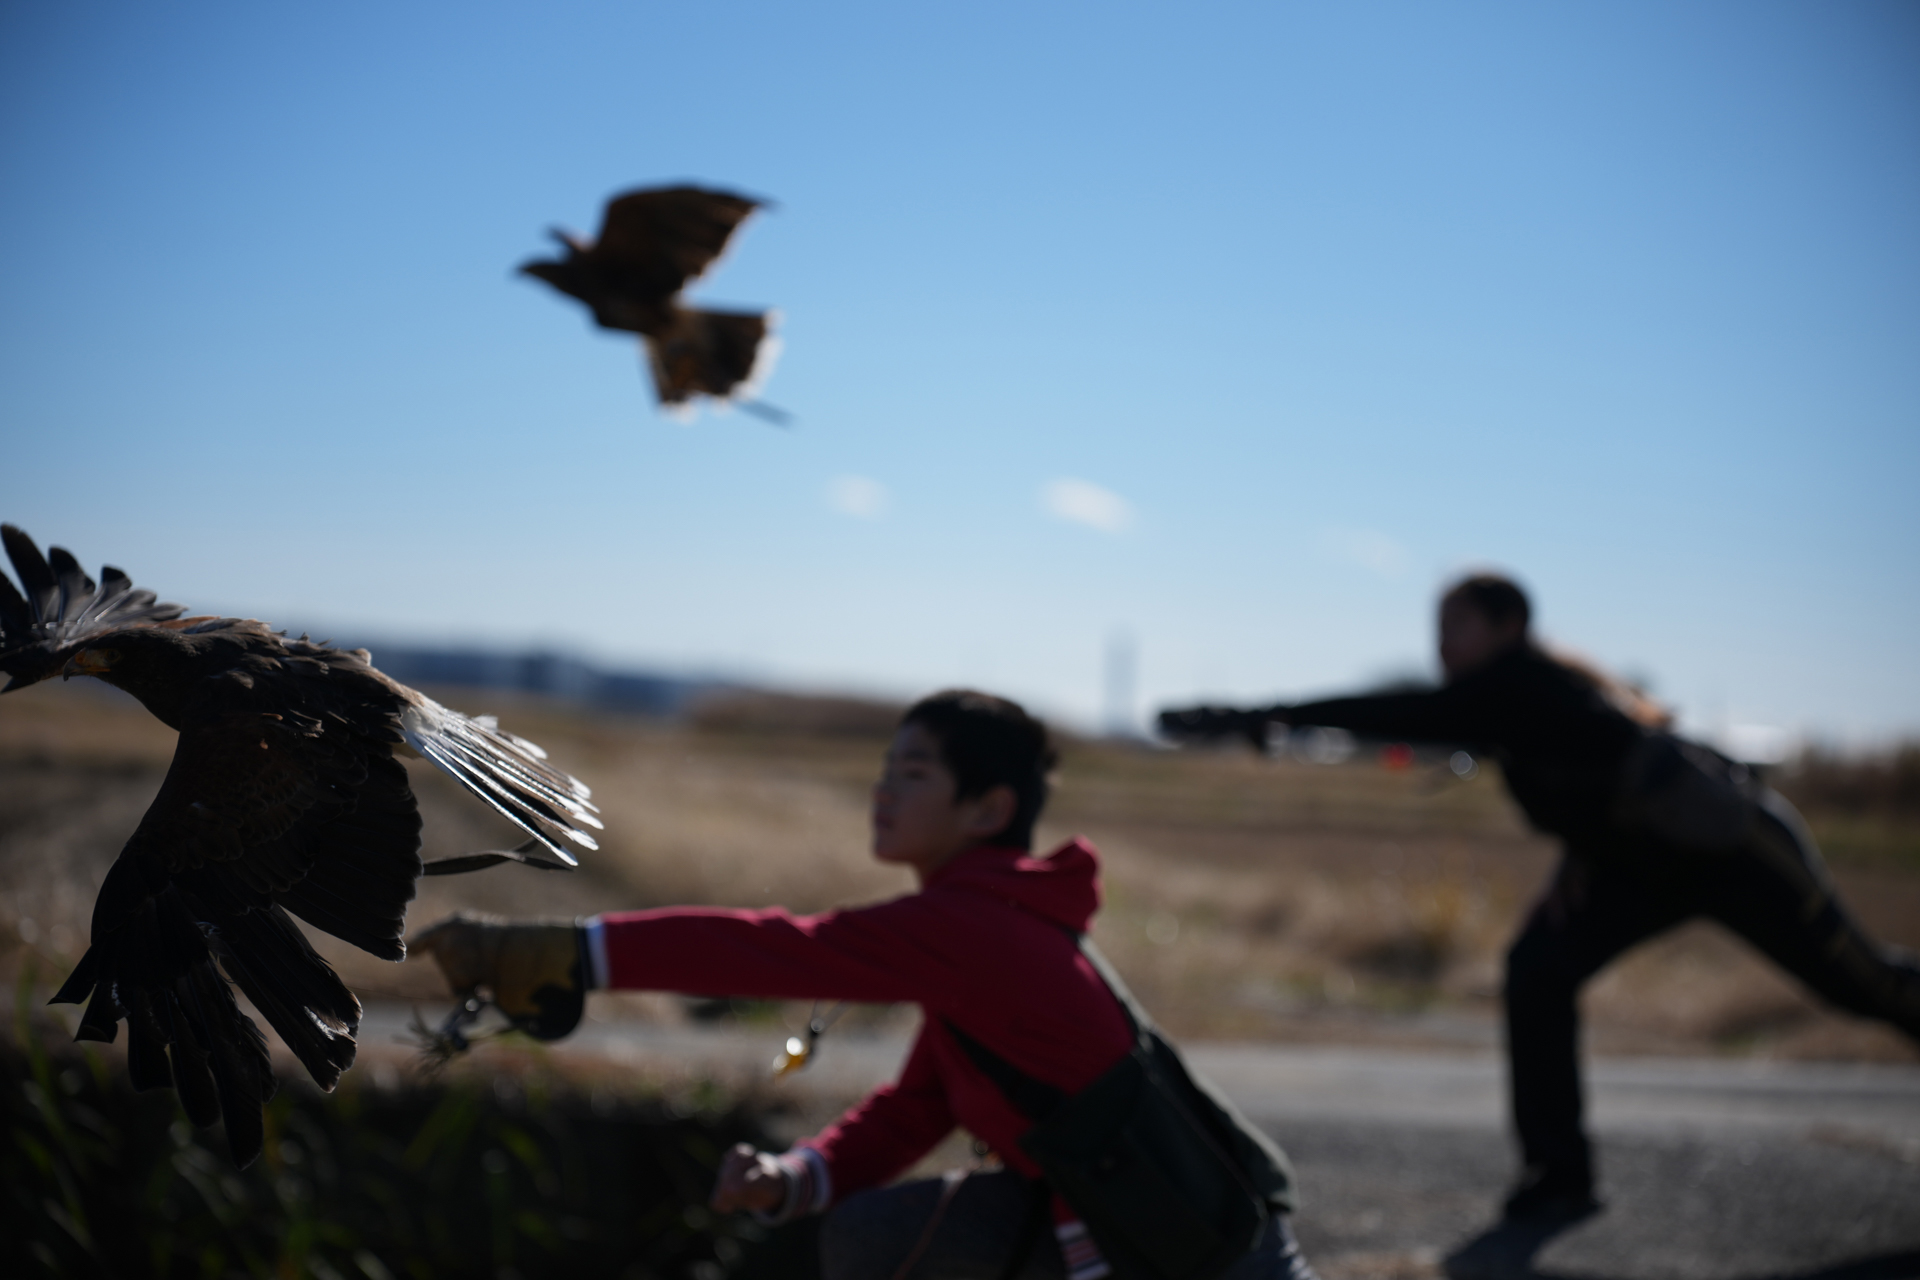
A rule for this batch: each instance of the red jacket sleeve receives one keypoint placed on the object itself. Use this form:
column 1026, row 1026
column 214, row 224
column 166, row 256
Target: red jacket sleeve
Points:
column 880, row 954
column 889, row 1129
column 903, row 950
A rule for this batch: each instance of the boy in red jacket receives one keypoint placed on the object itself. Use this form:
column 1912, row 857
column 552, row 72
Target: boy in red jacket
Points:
column 988, row 945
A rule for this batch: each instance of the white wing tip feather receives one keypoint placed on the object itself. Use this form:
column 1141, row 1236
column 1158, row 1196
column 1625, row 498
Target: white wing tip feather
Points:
column 428, row 721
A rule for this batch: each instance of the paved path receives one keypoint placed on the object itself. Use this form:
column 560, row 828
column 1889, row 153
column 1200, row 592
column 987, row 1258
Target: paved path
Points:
column 1713, row 1170
column 1626, row 1095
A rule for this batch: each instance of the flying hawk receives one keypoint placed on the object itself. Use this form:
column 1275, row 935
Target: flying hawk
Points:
column 653, row 243
column 284, row 795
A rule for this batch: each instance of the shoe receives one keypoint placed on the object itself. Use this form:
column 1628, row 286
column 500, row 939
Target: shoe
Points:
column 1544, row 1198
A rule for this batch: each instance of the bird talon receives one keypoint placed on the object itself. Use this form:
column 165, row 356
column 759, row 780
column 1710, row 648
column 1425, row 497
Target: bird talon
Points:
column 441, row 1045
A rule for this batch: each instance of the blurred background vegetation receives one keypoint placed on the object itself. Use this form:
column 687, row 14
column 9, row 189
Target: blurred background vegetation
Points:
column 1246, row 898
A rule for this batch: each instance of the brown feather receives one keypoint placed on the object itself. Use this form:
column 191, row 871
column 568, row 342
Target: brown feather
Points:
column 283, row 792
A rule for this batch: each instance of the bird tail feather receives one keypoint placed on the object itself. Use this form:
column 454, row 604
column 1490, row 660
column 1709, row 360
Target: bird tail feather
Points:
column 723, row 354
column 184, row 1028
column 270, row 960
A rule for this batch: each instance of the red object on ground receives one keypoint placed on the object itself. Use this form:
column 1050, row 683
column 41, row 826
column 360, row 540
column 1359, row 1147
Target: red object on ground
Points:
column 1397, row 755
column 988, row 944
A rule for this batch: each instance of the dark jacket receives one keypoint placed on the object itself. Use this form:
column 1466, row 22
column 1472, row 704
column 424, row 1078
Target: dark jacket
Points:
column 1561, row 743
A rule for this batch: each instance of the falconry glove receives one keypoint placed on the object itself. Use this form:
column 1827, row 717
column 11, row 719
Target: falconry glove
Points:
column 536, row 972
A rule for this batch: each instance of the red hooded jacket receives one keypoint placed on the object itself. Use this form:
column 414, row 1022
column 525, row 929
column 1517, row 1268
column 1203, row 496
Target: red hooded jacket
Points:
column 986, row 944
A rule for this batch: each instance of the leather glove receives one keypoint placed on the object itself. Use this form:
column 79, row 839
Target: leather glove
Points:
column 1207, row 724
column 534, row 971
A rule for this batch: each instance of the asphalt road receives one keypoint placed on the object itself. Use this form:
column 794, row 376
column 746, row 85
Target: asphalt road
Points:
column 1711, row 1169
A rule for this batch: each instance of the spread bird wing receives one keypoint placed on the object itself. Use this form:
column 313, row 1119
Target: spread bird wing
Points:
column 723, row 354
column 240, row 781
column 57, row 606
column 283, row 797
column 508, row 772
column 668, row 236
column 262, row 812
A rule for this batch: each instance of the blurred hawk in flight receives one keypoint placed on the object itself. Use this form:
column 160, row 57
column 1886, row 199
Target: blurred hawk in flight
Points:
column 284, row 795
column 653, row 243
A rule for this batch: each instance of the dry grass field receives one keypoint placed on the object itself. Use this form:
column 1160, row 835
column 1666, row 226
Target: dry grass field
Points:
column 1246, row 898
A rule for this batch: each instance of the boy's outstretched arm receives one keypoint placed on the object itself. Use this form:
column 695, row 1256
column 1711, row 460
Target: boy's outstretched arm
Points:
column 900, row 950
column 539, row 971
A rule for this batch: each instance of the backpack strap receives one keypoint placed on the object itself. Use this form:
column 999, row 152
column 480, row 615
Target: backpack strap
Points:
column 1036, row 1099
column 1137, row 1020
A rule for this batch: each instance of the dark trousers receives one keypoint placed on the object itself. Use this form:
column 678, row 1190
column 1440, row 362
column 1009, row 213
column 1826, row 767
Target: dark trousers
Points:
column 871, row 1235
column 1774, row 891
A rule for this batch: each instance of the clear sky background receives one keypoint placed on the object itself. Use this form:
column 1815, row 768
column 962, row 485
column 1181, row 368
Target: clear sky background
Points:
column 1233, row 328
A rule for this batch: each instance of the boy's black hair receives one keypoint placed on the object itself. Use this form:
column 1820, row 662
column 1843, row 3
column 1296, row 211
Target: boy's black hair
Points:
column 987, row 742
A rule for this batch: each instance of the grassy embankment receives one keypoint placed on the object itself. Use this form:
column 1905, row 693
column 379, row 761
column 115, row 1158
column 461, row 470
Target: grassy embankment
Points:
column 1246, row 898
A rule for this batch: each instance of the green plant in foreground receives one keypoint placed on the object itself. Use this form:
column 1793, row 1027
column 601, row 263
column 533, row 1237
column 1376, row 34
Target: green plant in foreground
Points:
column 463, row 1177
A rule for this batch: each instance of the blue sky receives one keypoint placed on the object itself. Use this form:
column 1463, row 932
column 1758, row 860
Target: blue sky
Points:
column 1234, row 328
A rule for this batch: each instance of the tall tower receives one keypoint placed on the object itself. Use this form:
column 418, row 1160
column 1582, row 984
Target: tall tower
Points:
column 1122, row 658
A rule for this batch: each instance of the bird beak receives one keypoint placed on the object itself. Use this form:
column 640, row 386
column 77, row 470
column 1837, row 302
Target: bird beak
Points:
column 87, row 662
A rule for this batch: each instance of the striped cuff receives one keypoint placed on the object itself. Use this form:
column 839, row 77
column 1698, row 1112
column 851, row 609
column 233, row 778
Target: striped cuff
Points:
column 596, row 952
column 1077, row 1249
column 809, row 1186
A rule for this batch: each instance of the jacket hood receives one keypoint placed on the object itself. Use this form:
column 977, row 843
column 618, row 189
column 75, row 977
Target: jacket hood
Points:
column 1063, row 887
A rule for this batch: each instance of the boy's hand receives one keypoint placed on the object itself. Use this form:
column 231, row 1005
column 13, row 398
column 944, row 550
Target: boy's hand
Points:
column 534, row 971
column 751, row 1180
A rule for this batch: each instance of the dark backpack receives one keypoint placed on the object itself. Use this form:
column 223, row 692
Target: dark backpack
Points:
column 1170, row 1179
column 1687, row 794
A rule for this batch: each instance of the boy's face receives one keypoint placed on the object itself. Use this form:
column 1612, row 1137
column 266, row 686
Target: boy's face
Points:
column 917, row 822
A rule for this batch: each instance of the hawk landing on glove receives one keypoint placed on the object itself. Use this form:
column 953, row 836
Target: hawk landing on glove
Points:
column 284, row 795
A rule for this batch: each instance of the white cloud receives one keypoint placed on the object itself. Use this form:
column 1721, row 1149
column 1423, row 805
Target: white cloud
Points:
column 1369, row 548
column 1084, row 502
column 859, row 496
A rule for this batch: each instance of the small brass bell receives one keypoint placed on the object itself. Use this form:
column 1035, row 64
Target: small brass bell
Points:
column 793, row 1057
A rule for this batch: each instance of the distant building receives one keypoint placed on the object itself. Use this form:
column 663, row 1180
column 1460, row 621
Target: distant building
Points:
column 553, row 675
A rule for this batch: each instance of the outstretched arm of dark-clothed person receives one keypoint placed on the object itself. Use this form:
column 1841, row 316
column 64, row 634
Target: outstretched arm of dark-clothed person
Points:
column 1209, row 723
column 1452, row 714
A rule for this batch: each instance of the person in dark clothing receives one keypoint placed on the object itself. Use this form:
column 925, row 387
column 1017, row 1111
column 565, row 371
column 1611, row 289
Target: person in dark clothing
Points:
column 1657, row 830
